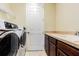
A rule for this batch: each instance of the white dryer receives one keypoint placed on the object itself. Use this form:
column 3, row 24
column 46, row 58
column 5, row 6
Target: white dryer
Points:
column 10, row 39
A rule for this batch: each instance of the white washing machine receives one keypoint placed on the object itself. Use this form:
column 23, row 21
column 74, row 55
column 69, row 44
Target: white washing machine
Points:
column 11, row 39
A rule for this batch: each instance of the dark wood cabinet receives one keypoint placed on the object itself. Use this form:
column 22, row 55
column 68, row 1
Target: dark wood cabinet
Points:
column 50, row 45
column 67, row 49
column 52, row 40
column 60, row 53
column 46, row 45
column 55, row 47
column 52, row 49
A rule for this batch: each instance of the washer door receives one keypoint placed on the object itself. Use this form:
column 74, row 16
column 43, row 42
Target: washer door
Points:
column 9, row 45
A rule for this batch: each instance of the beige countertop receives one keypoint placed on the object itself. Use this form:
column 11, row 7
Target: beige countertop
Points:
column 72, row 40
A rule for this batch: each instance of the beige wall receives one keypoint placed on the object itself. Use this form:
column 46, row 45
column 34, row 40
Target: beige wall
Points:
column 19, row 10
column 5, row 11
column 49, row 16
column 19, row 17
column 59, row 17
column 67, row 17
column 13, row 12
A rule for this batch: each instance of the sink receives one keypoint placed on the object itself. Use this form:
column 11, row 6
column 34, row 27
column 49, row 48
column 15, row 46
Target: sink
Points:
column 70, row 37
column 67, row 37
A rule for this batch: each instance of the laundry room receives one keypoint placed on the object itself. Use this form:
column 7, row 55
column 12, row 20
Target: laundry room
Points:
column 39, row 29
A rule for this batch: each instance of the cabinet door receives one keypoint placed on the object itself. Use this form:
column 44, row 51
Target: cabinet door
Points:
column 60, row 53
column 67, row 49
column 52, row 49
column 46, row 45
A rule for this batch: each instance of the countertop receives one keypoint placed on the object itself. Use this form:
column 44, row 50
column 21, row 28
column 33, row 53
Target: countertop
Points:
column 72, row 40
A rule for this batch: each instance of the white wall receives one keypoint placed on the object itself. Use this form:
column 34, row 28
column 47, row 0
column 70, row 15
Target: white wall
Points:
column 67, row 17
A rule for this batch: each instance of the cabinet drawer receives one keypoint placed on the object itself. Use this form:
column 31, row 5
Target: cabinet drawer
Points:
column 53, row 40
column 67, row 49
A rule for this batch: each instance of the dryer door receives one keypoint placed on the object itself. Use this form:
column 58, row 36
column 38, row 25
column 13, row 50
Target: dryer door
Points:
column 9, row 45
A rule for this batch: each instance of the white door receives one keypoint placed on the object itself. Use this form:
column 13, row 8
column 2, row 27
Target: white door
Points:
column 35, row 26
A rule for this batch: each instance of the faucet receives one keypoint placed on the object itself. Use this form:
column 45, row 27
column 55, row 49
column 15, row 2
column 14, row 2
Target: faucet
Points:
column 77, row 33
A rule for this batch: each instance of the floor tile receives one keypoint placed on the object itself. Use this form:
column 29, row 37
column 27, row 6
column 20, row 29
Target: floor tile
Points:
column 35, row 53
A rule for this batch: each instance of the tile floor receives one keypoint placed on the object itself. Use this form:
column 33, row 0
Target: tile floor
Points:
column 35, row 53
